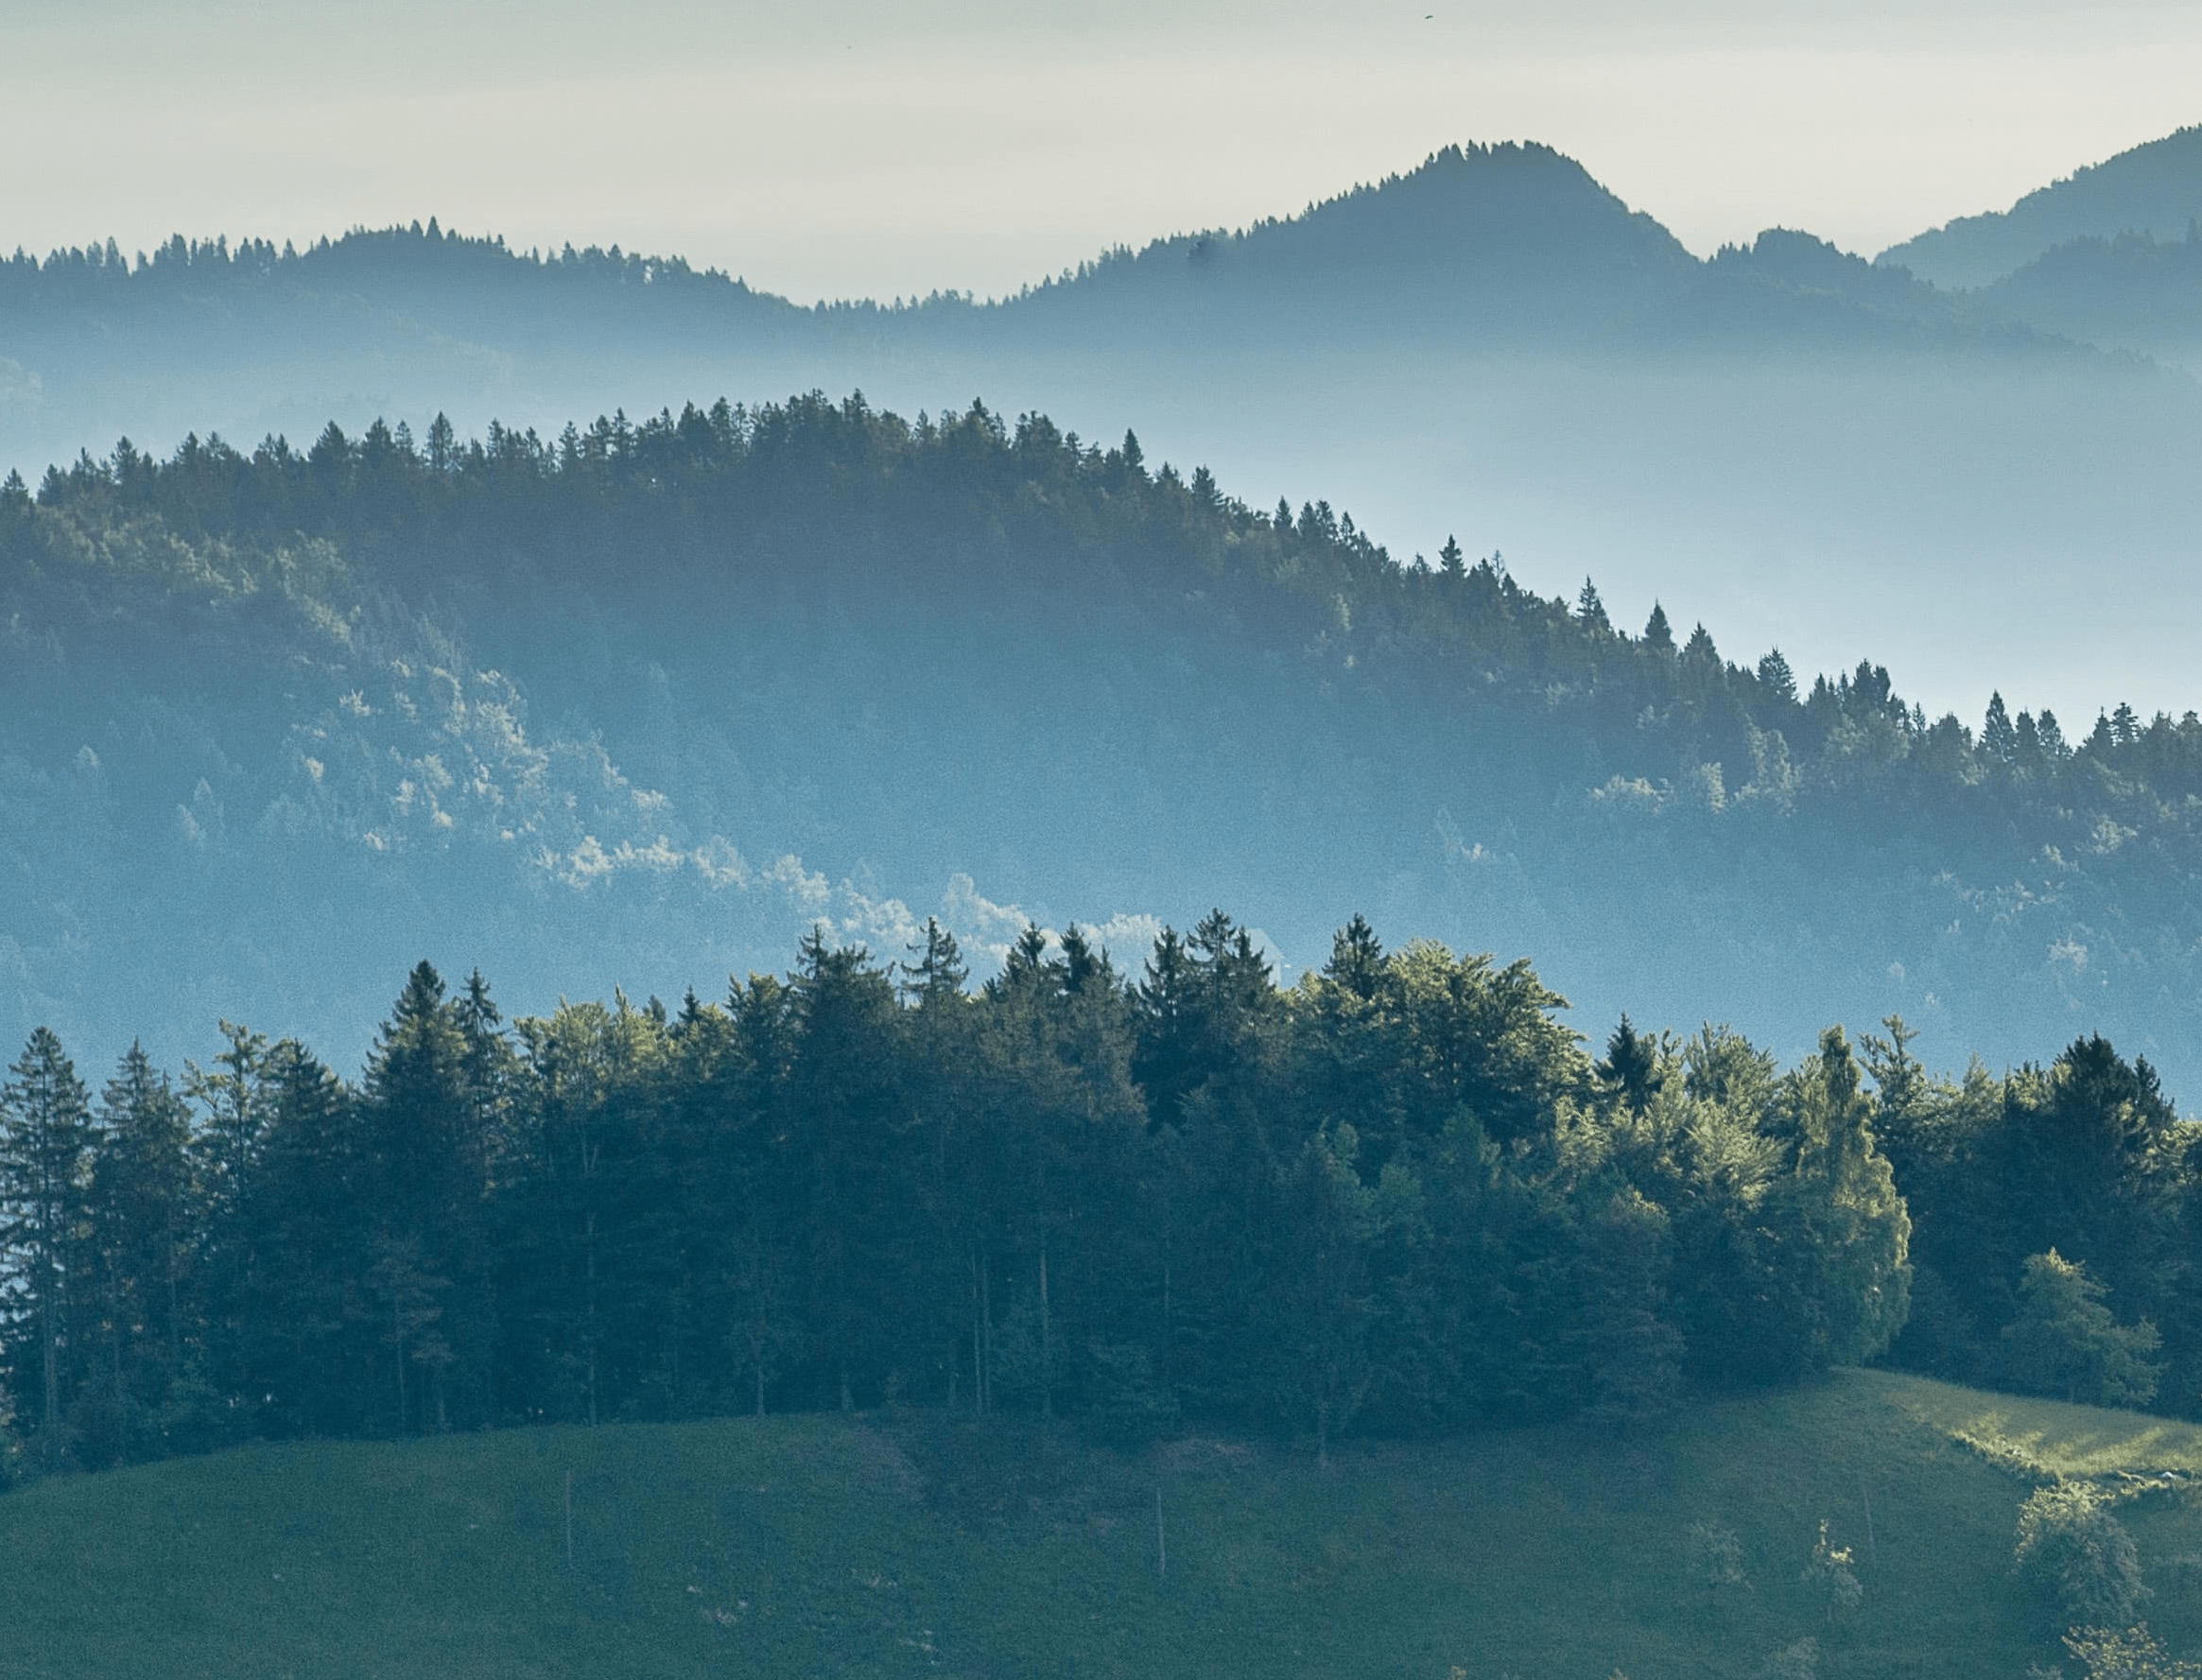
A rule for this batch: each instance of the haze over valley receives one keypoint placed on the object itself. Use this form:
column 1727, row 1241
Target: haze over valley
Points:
column 1446, row 934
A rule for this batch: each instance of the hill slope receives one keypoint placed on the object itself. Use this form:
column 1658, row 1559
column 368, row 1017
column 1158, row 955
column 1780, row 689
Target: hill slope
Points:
column 274, row 729
column 2152, row 190
column 912, row 1545
column 2131, row 292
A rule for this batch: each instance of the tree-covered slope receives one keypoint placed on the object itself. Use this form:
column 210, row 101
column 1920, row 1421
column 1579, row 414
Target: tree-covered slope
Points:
column 2131, row 292
column 277, row 725
column 2152, row 190
column 906, row 1545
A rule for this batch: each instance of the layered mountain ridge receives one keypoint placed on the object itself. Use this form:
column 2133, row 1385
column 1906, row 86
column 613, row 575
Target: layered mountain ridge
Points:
column 1491, row 343
column 2154, row 191
column 992, row 672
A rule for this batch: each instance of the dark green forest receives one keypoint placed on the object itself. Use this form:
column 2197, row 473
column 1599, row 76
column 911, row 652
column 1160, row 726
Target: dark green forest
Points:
column 1397, row 1198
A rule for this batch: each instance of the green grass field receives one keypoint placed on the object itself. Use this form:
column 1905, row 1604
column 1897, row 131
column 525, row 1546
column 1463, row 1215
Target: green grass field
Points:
column 913, row 1545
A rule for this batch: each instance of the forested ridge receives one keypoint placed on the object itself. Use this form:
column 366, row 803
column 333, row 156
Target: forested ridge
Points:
column 1490, row 342
column 412, row 510
column 1395, row 1198
column 730, row 668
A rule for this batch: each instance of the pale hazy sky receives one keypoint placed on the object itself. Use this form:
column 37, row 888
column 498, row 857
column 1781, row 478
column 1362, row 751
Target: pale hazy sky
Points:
column 888, row 146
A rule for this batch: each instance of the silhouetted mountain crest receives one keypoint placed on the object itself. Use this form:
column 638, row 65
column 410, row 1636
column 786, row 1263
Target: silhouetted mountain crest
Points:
column 2132, row 292
column 1515, row 230
column 2153, row 189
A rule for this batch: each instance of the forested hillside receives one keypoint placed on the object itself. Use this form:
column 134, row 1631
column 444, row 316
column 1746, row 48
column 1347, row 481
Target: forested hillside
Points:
column 1397, row 1194
column 278, row 725
column 1396, row 1198
column 2130, row 291
column 269, row 720
column 2151, row 192
column 1490, row 343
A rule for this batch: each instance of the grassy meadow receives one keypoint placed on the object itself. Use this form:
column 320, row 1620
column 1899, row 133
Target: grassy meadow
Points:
column 913, row 1543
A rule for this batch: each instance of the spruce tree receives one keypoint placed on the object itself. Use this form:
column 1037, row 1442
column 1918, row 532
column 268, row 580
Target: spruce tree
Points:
column 44, row 1137
column 143, row 1235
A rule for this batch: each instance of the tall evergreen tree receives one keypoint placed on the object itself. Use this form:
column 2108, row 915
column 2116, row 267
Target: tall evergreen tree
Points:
column 45, row 1140
column 424, row 1172
column 842, row 1117
column 312, row 1328
column 143, row 1226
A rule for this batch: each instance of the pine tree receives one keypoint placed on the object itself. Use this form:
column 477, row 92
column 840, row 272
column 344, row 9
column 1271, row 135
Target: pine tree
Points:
column 1632, row 1065
column 1998, row 739
column 762, row 1207
column 1774, row 673
column 1590, row 611
column 2052, row 743
column 841, row 1113
column 424, row 1172
column 143, row 1234
column 311, row 1331
column 44, row 1136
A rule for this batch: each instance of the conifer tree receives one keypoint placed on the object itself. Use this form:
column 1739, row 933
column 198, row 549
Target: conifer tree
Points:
column 1998, row 739
column 1777, row 676
column 1632, row 1065
column 1590, row 610
column 841, row 1112
column 45, row 1138
column 424, row 1173
column 143, row 1225
column 309, row 1343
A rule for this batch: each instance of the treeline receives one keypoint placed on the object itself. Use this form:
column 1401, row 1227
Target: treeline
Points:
column 1721, row 733
column 76, row 275
column 1396, row 1196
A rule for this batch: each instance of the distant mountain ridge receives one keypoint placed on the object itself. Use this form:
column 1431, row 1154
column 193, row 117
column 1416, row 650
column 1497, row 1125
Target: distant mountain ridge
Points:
column 2132, row 292
column 1507, row 238
column 1491, row 343
column 2153, row 190
column 1510, row 247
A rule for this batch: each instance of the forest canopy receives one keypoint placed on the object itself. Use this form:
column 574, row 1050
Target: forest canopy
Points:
column 1396, row 1196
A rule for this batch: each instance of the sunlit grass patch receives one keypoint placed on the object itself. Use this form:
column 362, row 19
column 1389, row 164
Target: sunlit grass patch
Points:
column 2050, row 1438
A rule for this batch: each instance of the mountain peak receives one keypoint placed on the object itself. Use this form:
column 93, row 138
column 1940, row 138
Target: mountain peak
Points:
column 1501, row 232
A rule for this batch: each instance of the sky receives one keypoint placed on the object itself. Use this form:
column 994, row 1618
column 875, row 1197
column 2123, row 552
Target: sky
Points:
column 893, row 147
